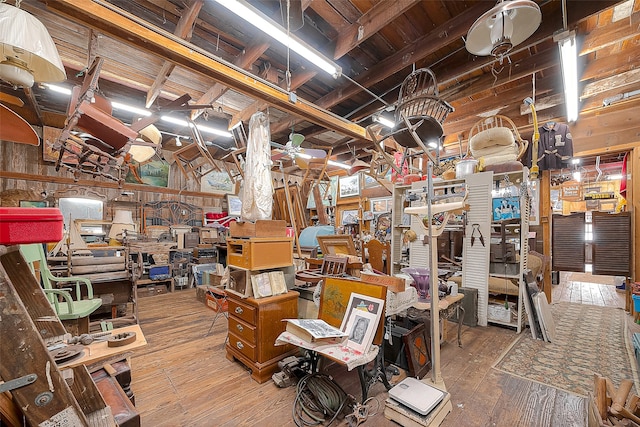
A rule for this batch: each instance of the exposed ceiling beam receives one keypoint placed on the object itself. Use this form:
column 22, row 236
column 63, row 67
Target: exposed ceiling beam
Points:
column 184, row 30
column 376, row 18
column 608, row 35
column 426, row 45
column 132, row 31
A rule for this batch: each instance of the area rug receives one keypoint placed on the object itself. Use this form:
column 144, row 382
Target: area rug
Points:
column 589, row 339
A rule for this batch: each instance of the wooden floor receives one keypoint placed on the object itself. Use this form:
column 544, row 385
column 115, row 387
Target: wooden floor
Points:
column 182, row 378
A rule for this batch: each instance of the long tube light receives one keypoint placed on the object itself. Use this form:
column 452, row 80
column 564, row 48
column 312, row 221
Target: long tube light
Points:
column 569, row 57
column 261, row 22
column 201, row 128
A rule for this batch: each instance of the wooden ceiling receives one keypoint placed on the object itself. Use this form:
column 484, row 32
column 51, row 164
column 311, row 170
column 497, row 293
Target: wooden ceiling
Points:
column 157, row 50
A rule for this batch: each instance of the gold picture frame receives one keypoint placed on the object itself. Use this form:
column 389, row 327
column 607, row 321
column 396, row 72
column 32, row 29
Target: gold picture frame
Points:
column 339, row 244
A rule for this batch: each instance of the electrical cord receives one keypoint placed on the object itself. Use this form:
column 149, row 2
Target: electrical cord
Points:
column 318, row 399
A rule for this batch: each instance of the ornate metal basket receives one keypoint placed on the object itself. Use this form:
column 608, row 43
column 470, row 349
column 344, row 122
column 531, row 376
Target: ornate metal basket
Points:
column 421, row 106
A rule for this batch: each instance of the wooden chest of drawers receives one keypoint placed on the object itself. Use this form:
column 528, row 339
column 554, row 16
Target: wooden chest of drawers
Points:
column 254, row 325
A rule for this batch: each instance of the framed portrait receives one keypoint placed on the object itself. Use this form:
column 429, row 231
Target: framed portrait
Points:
column 217, row 182
column 349, row 186
column 33, row 203
column 361, row 328
column 505, row 208
column 234, row 205
column 361, row 319
column 417, row 347
column 349, row 217
column 381, row 205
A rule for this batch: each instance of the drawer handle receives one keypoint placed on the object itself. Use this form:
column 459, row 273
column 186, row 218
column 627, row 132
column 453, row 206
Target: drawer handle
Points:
column 240, row 328
column 239, row 310
column 239, row 345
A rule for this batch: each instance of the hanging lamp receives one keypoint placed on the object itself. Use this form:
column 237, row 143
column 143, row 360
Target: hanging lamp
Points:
column 27, row 52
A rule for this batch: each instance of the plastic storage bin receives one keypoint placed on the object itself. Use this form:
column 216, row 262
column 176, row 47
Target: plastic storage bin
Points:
column 30, row 225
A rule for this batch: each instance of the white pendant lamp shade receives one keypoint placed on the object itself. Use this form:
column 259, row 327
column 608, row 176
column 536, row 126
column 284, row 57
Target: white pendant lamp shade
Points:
column 507, row 24
column 27, row 52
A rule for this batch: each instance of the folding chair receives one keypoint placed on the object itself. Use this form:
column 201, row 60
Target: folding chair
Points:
column 220, row 305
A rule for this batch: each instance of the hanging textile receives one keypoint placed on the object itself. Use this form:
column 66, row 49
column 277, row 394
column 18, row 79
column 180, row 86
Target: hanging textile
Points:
column 555, row 148
column 257, row 191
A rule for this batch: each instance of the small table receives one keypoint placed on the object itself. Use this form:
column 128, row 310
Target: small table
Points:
column 100, row 351
column 448, row 306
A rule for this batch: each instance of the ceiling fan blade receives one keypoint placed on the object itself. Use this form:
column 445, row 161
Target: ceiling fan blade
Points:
column 277, row 154
column 10, row 99
column 314, row 152
column 302, row 163
column 16, row 129
column 296, row 139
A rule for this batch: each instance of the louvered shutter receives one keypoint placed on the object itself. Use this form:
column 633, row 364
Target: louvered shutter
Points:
column 568, row 242
column 612, row 243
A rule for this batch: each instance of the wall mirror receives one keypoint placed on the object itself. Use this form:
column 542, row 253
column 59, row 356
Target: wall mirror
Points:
column 80, row 204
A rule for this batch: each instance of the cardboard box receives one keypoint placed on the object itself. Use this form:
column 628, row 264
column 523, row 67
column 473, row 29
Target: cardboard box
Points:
column 30, row 225
column 261, row 228
column 394, row 284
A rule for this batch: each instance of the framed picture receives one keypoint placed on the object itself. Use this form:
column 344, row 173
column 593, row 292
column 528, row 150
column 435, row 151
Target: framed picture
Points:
column 349, row 186
column 417, row 347
column 217, row 182
column 349, row 217
column 328, row 189
column 505, row 208
column 360, row 328
column 33, row 203
column 154, row 173
column 234, row 205
column 337, row 245
column 361, row 320
column 335, row 297
column 381, row 205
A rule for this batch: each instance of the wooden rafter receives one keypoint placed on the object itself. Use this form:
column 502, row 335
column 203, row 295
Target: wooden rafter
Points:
column 184, row 30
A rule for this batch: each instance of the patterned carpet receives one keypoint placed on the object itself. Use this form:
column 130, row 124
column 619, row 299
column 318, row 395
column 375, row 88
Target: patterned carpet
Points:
column 588, row 339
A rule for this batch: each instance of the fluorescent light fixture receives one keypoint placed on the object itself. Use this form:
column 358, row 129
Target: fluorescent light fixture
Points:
column 614, row 177
column 130, row 109
column 569, row 57
column 201, row 128
column 261, row 22
column 385, row 121
column 338, row 164
column 59, row 89
column 575, row 161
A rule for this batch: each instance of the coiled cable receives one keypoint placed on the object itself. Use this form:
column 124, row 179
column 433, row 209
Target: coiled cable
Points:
column 318, row 399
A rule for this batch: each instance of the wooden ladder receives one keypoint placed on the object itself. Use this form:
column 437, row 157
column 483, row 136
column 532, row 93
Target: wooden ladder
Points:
column 29, row 371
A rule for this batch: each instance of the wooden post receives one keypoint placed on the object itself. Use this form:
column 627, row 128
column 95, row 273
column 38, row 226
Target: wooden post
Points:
column 545, row 219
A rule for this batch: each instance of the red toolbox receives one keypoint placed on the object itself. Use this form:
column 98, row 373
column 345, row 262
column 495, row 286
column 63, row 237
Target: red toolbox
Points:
column 30, row 225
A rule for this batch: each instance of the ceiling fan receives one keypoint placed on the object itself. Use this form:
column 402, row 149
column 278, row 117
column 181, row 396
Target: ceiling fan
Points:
column 500, row 29
column 293, row 150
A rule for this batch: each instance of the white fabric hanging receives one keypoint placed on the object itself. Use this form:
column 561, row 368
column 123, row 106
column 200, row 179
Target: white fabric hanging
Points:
column 257, row 191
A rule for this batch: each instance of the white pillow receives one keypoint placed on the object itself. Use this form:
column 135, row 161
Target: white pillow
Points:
column 491, row 137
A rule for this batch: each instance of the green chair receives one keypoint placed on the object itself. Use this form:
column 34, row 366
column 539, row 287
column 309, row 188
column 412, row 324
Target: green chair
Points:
column 69, row 308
